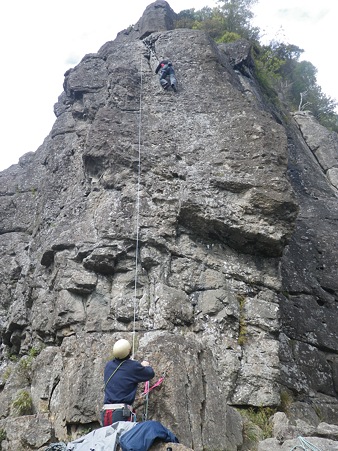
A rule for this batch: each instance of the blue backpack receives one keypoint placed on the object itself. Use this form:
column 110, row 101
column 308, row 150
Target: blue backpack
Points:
column 142, row 436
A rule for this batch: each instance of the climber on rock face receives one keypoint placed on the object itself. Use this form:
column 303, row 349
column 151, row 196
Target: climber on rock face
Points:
column 167, row 74
column 121, row 377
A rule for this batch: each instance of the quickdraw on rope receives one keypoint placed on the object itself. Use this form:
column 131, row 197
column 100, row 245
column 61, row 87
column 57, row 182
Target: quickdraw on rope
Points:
column 145, row 395
column 305, row 445
column 148, row 389
column 137, row 209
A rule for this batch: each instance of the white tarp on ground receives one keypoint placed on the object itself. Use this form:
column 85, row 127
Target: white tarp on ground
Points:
column 103, row 439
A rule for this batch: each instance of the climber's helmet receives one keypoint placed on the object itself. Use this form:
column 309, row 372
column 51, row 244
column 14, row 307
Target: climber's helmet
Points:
column 121, row 349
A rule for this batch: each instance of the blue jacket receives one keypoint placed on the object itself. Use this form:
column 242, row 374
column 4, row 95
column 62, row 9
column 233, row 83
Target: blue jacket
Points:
column 122, row 387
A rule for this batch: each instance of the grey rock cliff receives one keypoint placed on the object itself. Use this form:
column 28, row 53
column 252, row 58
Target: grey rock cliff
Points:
column 231, row 215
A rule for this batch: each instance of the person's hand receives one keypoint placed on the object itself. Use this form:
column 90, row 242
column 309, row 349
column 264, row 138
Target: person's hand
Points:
column 145, row 363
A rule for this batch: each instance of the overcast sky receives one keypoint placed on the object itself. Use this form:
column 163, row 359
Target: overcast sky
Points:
column 41, row 39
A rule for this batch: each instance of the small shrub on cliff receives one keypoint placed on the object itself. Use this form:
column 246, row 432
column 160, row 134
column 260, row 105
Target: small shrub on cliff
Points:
column 252, row 435
column 227, row 37
column 3, row 435
column 25, row 364
column 285, row 401
column 24, row 367
column 260, row 417
column 7, row 373
column 13, row 357
column 22, row 404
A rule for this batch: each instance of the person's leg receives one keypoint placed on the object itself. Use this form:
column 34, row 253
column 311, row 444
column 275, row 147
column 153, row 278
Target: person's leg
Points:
column 173, row 80
column 163, row 79
column 164, row 83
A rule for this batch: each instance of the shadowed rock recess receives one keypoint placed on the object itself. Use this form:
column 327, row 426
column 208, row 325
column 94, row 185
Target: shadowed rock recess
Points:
column 235, row 289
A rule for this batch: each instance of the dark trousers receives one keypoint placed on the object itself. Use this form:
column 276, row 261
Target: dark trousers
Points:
column 167, row 73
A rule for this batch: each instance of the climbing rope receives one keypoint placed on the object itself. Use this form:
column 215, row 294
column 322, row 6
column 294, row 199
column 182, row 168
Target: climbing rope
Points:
column 137, row 208
column 147, row 390
column 147, row 387
column 146, row 401
column 145, row 395
column 305, row 445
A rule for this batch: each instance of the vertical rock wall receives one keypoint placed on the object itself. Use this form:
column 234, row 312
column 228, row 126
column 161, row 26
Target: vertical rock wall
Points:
column 309, row 336
column 215, row 217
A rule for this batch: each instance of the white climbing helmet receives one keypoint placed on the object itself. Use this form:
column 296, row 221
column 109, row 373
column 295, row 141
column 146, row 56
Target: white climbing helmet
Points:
column 121, row 349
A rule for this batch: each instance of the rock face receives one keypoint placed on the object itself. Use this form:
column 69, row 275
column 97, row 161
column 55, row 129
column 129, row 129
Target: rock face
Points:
column 195, row 222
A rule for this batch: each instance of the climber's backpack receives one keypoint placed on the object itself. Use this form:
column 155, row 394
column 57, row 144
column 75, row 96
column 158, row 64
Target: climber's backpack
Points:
column 142, row 436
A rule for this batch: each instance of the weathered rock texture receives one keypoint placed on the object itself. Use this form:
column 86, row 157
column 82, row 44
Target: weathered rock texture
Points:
column 232, row 217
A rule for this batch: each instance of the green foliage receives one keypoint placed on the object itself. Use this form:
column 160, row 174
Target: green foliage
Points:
column 260, row 417
column 283, row 78
column 321, row 106
column 319, row 413
column 270, row 61
column 237, row 14
column 279, row 70
column 285, row 52
column 13, row 357
column 232, row 18
column 303, row 75
column 35, row 351
column 3, row 436
column 22, row 404
column 26, row 362
column 228, row 36
column 214, row 25
column 25, row 366
column 185, row 19
column 286, row 401
column 7, row 373
column 251, row 434
column 265, row 72
column 270, row 70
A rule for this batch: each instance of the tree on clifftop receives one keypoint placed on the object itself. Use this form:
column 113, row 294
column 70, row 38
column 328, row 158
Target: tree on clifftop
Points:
column 238, row 14
column 226, row 23
column 278, row 69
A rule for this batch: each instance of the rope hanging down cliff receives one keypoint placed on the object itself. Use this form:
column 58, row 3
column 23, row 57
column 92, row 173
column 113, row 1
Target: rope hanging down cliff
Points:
column 147, row 388
column 137, row 207
column 138, row 198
